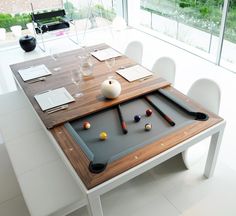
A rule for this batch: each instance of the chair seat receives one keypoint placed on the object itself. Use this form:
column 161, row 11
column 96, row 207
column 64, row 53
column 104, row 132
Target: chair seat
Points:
column 52, row 27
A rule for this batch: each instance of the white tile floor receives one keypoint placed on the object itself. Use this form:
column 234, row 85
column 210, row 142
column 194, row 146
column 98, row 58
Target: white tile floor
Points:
column 169, row 189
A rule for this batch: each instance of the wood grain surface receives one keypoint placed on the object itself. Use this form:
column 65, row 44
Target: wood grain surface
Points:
column 92, row 100
column 80, row 162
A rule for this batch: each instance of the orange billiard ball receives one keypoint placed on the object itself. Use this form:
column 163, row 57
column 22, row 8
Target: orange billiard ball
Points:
column 86, row 125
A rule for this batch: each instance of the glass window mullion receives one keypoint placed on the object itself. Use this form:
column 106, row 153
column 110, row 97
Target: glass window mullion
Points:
column 222, row 31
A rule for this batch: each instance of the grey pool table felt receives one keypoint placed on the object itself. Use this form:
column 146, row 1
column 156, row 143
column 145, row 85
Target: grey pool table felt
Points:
column 119, row 144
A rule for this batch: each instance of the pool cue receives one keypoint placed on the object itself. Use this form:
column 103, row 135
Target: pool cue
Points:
column 122, row 122
column 166, row 117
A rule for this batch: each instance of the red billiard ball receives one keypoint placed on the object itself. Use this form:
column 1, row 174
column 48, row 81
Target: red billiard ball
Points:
column 148, row 112
column 86, row 125
column 137, row 118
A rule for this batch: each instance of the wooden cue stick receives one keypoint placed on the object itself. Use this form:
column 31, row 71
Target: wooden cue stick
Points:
column 166, row 117
column 122, row 122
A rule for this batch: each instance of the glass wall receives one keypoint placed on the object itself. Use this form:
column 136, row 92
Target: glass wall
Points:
column 98, row 14
column 193, row 22
column 196, row 23
column 15, row 19
column 228, row 56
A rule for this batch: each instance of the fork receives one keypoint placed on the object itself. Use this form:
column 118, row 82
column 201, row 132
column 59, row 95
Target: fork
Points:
column 37, row 80
column 55, row 109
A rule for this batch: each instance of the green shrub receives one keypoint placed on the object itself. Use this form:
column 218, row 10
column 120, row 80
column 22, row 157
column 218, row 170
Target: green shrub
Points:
column 8, row 20
column 205, row 11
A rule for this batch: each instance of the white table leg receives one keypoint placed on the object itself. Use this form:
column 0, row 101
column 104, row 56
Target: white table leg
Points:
column 213, row 153
column 94, row 206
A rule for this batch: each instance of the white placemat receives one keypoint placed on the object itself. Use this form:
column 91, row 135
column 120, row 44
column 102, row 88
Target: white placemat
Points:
column 53, row 98
column 105, row 54
column 34, row 72
column 134, row 73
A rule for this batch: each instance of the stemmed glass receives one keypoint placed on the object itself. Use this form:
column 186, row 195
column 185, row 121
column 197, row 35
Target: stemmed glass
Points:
column 86, row 65
column 76, row 78
column 110, row 63
column 54, row 53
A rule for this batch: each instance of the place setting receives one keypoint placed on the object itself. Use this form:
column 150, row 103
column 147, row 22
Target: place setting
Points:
column 34, row 74
column 104, row 54
column 51, row 101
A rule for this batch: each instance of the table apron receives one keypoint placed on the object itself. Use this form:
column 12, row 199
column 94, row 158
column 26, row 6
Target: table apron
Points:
column 149, row 164
column 137, row 170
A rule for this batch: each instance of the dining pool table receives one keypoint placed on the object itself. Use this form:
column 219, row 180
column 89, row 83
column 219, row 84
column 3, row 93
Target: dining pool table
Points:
column 104, row 143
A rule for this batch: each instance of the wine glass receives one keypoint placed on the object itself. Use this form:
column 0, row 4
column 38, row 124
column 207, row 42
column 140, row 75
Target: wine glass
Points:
column 54, row 53
column 76, row 78
column 110, row 63
column 86, row 65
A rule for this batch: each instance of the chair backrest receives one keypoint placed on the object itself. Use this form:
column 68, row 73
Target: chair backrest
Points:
column 207, row 93
column 165, row 68
column 134, row 50
column 48, row 15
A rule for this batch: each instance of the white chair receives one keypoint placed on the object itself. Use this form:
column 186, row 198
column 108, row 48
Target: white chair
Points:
column 16, row 30
column 165, row 68
column 134, row 50
column 207, row 93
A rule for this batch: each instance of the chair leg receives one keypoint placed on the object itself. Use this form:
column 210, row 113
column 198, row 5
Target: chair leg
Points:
column 42, row 39
column 41, row 34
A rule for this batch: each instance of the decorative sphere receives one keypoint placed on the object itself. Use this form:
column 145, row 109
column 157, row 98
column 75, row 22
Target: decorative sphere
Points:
column 27, row 43
column 148, row 112
column 103, row 135
column 111, row 88
column 86, row 125
column 148, row 127
column 137, row 118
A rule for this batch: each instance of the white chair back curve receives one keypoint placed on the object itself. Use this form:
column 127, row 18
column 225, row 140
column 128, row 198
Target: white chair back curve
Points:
column 134, row 50
column 207, row 93
column 165, row 68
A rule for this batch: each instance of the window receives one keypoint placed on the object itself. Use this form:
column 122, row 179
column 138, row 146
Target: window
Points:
column 196, row 23
column 15, row 17
column 228, row 57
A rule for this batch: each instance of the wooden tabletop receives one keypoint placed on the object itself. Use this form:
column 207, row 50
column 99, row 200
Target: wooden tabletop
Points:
column 80, row 162
column 92, row 100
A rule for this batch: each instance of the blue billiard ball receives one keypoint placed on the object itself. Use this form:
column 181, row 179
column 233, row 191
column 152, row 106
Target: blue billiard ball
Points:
column 137, row 118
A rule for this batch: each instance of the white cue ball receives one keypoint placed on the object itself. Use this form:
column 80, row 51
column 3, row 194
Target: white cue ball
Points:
column 148, row 127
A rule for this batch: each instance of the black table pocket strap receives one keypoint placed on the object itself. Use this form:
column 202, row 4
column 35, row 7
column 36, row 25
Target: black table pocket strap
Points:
column 182, row 105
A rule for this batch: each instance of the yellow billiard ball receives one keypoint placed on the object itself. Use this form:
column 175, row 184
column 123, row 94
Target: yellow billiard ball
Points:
column 103, row 135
